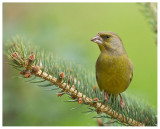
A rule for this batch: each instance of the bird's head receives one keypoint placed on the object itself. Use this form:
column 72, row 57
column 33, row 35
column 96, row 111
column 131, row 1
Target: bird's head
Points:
column 109, row 42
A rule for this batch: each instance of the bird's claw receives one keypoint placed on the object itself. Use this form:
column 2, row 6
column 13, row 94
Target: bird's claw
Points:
column 122, row 102
column 106, row 96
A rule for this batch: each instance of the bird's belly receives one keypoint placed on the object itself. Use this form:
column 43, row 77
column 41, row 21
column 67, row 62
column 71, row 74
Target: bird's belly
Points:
column 113, row 78
column 112, row 84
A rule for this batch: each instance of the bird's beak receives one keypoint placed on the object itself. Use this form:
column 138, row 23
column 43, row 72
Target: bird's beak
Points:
column 97, row 39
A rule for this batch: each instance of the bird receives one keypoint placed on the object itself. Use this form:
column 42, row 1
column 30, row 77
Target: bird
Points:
column 114, row 69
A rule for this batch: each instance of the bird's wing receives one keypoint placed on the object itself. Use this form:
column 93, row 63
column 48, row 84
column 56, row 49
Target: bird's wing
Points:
column 131, row 76
column 132, row 67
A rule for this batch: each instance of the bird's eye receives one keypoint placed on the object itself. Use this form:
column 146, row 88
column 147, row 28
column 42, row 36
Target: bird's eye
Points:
column 107, row 36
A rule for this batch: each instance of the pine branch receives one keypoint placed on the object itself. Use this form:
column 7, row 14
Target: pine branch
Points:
column 150, row 11
column 76, row 82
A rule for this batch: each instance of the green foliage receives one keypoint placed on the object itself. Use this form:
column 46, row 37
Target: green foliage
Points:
column 150, row 11
column 82, row 79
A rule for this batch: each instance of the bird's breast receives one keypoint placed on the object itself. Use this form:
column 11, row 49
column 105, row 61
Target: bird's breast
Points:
column 113, row 73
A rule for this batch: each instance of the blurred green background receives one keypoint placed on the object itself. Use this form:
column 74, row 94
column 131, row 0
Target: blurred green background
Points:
column 65, row 29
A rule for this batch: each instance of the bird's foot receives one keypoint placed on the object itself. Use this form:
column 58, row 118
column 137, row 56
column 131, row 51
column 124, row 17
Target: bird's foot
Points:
column 106, row 96
column 122, row 101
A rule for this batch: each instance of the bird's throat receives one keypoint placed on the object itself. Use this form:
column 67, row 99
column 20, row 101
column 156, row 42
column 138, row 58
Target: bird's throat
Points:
column 101, row 47
column 112, row 52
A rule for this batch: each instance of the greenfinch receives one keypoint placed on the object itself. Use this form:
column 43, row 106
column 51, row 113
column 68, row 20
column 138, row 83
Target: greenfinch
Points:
column 114, row 70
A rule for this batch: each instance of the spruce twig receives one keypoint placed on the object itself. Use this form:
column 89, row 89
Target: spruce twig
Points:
column 76, row 82
column 150, row 11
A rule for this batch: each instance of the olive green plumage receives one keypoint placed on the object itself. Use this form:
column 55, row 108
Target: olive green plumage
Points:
column 114, row 70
